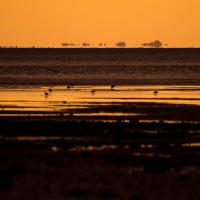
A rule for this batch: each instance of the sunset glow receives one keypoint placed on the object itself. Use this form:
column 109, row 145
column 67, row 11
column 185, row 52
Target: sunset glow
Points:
column 49, row 23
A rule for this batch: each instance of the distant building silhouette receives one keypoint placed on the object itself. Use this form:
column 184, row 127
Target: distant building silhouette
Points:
column 64, row 44
column 68, row 44
column 155, row 44
column 102, row 44
column 121, row 44
column 85, row 44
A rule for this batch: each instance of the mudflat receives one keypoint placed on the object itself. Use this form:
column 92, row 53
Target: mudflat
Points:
column 155, row 155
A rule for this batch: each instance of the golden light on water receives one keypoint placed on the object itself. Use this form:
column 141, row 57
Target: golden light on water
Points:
column 120, row 104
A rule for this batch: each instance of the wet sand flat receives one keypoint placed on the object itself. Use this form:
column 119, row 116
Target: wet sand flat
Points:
column 95, row 160
column 116, row 148
column 175, row 103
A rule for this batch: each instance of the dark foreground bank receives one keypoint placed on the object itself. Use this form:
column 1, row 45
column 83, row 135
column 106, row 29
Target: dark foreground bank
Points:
column 95, row 160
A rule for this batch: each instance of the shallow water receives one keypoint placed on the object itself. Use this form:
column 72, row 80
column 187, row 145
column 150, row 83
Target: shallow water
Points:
column 26, row 74
column 31, row 101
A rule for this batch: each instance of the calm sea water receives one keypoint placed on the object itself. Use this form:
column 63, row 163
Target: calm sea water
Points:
column 99, row 66
column 26, row 74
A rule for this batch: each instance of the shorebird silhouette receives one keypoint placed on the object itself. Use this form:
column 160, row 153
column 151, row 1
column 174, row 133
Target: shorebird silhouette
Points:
column 93, row 91
column 50, row 90
column 155, row 92
column 112, row 87
column 68, row 86
column 46, row 93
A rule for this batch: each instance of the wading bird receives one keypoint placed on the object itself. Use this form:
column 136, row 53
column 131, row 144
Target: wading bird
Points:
column 50, row 90
column 46, row 94
column 68, row 86
column 155, row 92
column 93, row 91
column 112, row 87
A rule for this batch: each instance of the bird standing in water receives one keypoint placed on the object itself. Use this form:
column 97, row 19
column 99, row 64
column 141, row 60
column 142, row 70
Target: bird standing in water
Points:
column 155, row 92
column 93, row 91
column 112, row 87
column 46, row 93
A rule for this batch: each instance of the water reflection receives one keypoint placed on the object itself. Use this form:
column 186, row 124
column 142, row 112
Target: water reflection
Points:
column 107, row 114
column 80, row 101
column 182, row 94
column 92, row 148
column 54, row 148
column 190, row 145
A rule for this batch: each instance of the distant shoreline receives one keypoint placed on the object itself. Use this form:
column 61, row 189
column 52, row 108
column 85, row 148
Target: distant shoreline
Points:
column 99, row 48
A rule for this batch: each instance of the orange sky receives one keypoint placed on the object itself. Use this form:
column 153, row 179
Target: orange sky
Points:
column 46, row 23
